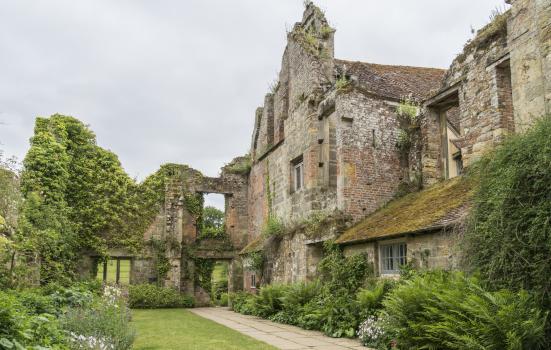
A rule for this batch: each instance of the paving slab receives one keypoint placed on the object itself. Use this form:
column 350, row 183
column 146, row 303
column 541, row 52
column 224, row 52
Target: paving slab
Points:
column 278, row 335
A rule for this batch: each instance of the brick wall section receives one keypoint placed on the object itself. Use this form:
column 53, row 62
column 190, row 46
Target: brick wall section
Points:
column 367, row 158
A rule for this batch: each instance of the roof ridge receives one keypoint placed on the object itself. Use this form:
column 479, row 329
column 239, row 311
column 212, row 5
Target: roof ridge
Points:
column 388, row 65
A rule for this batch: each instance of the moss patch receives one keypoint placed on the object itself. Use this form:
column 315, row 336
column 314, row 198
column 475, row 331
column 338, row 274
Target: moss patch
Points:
column 414, row 212
column 255, row 245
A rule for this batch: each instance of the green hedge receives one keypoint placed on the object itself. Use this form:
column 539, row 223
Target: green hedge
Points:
column 149, row 296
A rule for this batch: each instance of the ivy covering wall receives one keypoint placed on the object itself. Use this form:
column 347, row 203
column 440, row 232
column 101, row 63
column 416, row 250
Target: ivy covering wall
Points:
column 78, row 198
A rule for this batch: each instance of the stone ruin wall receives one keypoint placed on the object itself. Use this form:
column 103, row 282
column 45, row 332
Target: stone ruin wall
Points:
column 503, row 84
column 368, row 161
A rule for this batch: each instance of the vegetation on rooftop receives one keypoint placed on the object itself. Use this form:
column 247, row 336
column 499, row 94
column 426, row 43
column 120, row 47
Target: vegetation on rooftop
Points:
column 240, row 165
column 413, row 212
column 487, row 34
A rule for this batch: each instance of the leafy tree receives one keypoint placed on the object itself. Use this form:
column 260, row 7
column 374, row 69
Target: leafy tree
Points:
column 213, row 223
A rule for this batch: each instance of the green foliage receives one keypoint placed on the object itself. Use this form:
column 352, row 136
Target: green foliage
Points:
column 161, row 248
column 149, row 296
column 370, row 299
column 242, row 165
column 213, row 223
column 223, row 301
column 78, row 198
column 409, row 124
column 508, row 239
column 340, row 273
column 342, row 83
column 328, row 305
column 106, row 321
column 268, row 300
column 443, row 310
column 203, row 273
column 242, row 302
column 10, row 195
column 55, row 317
column 254, row 261
column 273, row 227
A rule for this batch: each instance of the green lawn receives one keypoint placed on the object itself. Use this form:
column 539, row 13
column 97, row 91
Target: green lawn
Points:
column 179, row 329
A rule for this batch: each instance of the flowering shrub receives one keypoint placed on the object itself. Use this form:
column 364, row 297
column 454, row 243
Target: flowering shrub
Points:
column 371, row 333
column 89, row 342
column 101, row 326
column 112, row 295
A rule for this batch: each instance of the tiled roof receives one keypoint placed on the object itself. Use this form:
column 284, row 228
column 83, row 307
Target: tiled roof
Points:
column 396, row 82
column 438, row 206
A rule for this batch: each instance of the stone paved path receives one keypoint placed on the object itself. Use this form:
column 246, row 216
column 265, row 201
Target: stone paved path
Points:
column 278, row 335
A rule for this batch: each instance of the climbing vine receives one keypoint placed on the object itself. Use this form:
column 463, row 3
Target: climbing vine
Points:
column 77, row 197
column 254, row 261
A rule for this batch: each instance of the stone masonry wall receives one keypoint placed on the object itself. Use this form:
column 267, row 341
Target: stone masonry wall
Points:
column 529, row 41
column 368, row 160
column 436, row 250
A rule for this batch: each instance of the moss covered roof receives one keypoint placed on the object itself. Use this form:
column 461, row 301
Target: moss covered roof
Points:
column 435, row 207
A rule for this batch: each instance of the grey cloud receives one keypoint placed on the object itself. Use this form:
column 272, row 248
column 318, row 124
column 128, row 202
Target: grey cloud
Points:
column 178, row 81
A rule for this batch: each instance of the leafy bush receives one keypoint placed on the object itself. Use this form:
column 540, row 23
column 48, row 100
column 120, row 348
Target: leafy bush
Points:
column 508, row 239
column 223, row 301
column 370, row 299
column 328, row 304
column 242, row 302
column 149, row 296
column 219, row 288
column 106, row 323
column 268, row 300
column 21, row 328
column 446, row 310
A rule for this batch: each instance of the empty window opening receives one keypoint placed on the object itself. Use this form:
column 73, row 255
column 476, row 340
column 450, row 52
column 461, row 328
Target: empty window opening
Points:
column 392, row 257
column 505, row 95
column 213, row 220
column 454, row 161
column 114, row 270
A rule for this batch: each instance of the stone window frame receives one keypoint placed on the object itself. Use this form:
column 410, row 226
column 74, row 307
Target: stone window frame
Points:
column 297, row 182
column 399, row 259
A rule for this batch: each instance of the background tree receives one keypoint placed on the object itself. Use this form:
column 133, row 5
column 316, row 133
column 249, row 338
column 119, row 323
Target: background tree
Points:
column 213, row 223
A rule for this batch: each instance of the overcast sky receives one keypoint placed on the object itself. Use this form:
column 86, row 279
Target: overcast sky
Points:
column 179, row 81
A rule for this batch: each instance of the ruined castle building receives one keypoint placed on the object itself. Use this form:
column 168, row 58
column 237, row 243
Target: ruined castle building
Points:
column 333, row 158
column 325, row 141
